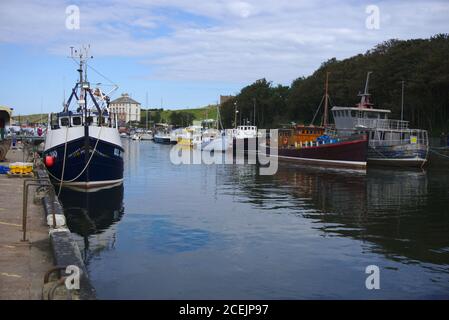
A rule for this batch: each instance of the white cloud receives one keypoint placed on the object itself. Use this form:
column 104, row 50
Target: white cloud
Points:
column 221, row 40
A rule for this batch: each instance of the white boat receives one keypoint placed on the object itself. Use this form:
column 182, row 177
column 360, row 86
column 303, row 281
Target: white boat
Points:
column 391, row 142
column 146, row 136
column 162, row 137
column 174, row 135
column 221, row 143
column 245, row 132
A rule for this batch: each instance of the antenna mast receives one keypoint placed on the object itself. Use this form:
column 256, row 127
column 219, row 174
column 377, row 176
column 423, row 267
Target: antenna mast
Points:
column 364, row 100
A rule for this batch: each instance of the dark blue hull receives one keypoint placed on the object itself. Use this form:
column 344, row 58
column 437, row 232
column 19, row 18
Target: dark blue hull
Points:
column 105, row 166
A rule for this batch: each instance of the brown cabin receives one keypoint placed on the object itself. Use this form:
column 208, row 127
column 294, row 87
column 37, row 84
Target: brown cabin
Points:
column 299, row 135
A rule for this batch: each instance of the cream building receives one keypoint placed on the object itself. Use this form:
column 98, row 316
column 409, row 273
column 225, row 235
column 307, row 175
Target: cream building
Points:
column 126, row 109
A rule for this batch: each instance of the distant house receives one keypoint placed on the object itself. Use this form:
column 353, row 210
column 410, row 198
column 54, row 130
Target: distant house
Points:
column 223, row 99
column 125, row 108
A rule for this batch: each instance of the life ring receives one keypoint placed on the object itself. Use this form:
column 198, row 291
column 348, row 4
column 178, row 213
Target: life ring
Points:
column 285, row 141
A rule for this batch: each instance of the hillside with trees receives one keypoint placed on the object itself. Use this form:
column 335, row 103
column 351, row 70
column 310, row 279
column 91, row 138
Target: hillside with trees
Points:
column 423, row 65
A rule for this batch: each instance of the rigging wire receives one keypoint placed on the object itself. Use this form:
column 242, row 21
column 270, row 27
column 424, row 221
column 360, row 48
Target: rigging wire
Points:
column 316, row 112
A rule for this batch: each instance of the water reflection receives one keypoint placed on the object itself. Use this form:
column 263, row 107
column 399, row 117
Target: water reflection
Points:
column 393, row 210
column 93, row 216
column 227, row 232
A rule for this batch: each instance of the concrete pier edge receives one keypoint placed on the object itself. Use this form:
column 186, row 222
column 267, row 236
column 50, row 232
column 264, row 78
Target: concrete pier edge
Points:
column 65, row 249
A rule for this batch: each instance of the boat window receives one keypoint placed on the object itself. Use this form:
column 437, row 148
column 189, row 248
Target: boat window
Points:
column 64, row 121
column 76, row 121
column 352, row 113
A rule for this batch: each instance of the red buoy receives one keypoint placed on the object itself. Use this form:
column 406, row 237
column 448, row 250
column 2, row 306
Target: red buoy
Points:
column 49, row 161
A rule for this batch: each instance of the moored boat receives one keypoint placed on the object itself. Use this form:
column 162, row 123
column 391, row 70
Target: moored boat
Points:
column 162, row 138
column 83, row 147
column 310, row 144
column 317, row 145
column 391, row 142
column 147, row 135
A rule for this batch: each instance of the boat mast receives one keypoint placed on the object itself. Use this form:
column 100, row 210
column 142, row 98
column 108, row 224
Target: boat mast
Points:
column 146, row 102
column 326, row 97
column 364, row 100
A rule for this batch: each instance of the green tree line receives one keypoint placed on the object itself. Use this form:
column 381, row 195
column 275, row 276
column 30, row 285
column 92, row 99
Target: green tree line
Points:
column 423, row 65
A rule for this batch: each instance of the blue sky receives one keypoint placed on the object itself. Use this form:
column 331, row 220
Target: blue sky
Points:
column 187, row 53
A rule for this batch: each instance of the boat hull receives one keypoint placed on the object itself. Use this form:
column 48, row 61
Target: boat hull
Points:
column 162, row 140
column 347, row 154
column 101, row 167
column 219, row 144
column 407, row 155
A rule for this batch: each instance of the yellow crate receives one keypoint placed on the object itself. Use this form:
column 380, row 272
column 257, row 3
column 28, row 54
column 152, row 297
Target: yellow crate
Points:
column 21, row 167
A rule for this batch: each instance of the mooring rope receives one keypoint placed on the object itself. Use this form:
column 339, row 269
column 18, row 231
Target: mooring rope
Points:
column 63, row 160
column 440, row 154
column 82, row 171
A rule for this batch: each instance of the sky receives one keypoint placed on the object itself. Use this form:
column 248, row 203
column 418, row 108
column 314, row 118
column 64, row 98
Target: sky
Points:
column 186, row 53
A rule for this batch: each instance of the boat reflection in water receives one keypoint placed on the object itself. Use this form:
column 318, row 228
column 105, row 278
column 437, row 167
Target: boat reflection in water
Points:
column 93, row 217
column 392, row 212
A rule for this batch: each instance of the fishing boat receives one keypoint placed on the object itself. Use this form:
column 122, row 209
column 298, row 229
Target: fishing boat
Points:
column 311, row 145
column 5, row 141
column 83, row 148
column 245, row 138
column 391, row 142
column 318, row 145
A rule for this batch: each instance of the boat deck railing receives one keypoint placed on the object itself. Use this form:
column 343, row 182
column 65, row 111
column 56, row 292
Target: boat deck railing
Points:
column 395, row 137
column 387, row 124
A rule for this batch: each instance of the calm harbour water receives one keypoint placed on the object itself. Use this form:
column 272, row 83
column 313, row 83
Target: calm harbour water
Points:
column 226, row 232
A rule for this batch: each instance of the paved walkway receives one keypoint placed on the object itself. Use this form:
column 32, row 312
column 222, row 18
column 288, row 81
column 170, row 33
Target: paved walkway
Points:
column 22, row 264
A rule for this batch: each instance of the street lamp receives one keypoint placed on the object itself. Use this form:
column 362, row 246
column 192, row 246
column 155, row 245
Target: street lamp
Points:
column 235, row 117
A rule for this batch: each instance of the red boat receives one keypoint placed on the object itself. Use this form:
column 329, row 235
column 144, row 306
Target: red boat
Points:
column 321, row 150
column 311, row 144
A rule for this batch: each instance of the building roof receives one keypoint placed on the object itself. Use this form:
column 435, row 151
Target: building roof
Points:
column 124, row 99
column 6, row 109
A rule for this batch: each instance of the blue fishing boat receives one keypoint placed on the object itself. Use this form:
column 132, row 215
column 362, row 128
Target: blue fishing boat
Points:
column 82, row 146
